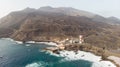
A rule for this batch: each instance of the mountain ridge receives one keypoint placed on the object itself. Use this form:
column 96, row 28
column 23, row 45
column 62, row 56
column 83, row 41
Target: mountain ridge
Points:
column 38, row 24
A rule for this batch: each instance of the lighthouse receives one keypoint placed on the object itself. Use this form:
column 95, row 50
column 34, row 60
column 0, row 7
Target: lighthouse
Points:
column 81, row 39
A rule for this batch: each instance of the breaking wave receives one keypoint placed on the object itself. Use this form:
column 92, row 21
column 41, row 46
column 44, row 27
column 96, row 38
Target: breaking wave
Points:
column 81, row 59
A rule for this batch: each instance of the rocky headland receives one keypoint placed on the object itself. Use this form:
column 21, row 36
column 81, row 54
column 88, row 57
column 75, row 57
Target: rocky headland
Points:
column 64, row 26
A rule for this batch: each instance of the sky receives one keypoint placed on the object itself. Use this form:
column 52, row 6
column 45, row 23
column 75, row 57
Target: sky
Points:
column 105, row 8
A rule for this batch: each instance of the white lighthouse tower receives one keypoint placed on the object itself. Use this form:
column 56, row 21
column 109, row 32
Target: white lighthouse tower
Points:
column 81, row 39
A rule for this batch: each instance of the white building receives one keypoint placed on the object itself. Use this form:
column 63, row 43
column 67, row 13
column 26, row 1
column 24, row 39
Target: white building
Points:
column 78, row 40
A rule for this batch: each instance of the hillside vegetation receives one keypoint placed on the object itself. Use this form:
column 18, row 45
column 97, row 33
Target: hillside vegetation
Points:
column 44, row 25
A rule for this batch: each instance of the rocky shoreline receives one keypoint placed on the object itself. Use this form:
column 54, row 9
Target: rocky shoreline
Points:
column 87, row 48
column 74, row 47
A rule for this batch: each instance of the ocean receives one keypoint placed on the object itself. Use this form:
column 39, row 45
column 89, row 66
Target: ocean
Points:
column 13, row 54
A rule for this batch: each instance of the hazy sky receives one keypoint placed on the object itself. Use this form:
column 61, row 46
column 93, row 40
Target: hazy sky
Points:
column 103, row 7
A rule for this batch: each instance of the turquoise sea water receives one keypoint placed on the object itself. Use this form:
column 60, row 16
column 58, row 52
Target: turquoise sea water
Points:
column 16, row 55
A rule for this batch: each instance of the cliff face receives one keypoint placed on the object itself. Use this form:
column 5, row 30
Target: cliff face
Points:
column 39, row 25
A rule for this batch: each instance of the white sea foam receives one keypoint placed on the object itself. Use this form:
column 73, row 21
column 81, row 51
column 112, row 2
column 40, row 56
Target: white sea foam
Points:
column 8, row 39
column 19, row 42
column 37, row 64
column 81, row 55
column 48, row 43
column 103, row 64
column 27, row 45
column 115, row 59
column 30, row 42
column 34, row 65
column 70, row 55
